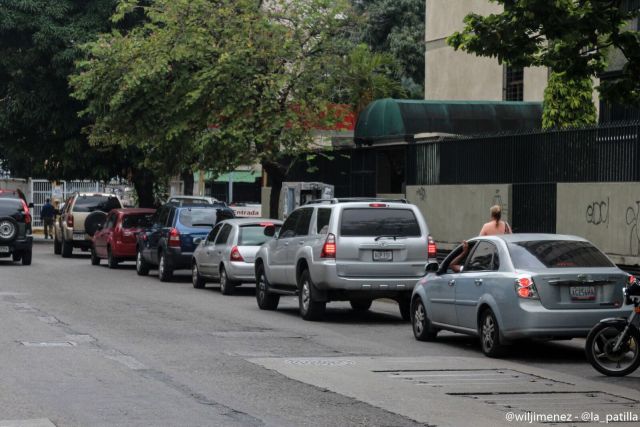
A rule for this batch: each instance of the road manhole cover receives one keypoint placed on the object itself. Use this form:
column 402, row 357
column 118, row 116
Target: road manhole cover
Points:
column 320, row 362
column 470, row 377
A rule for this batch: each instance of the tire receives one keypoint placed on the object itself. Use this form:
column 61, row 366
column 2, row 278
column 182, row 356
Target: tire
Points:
column 310, row 308
column 266, row 300
column 142, row 268
column 404, row 305
column 57, row 246
column 361, row 304
column 420, row 323
column 490, row 335
column 95, row 260
column 92, row 221
column 112, row 262
column 67, row 249
column 16, row 256
column 596, row 333
column 26, row 257
column 165, row 273
column 226, row 286
column 197, row 280
column 8, row 229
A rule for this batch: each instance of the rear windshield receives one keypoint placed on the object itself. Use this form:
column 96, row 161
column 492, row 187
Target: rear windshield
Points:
column 137, row 221
column 556, row 254
column 198, row 217
column 379, row 222
column 10, row 206
column 96, row 203
column 253, row 235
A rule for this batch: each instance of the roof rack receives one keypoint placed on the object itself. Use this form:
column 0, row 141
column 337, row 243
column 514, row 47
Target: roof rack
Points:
column 356, row 199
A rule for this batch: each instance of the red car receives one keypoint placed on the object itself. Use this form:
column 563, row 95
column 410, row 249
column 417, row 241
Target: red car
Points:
column 115, row 241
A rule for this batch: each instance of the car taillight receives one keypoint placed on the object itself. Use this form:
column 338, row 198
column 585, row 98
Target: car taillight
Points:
column 632, row 279
column 432, row 248
column 27, row 213
column 329, row 247
column 236, row 255
column 525, row 288
column 174, row 238
column 70, row 221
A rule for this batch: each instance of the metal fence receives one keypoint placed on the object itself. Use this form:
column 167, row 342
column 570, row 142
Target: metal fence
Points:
column 41, row 190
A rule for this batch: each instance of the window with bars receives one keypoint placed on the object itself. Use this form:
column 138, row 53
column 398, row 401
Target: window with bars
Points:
column 513, row 83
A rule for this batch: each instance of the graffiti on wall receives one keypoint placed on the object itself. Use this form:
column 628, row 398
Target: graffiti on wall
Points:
column 422, row 193
column 632, row 217
column 597, row 212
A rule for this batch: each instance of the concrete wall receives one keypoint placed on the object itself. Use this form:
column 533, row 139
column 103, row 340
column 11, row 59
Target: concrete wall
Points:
column 608, row 214
column 457, row 212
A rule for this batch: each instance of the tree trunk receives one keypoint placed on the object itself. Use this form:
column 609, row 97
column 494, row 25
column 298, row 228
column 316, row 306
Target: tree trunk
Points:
column 187, row 179
column 143, row 183
column 276, row 177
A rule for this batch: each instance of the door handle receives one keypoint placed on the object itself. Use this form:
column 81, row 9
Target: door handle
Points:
column 286, row 243
column 301, row 243
column 478, row 282
column 452, row 282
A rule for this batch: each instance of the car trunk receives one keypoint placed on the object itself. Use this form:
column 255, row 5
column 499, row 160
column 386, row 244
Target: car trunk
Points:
column 248, row 252
column 580, row 288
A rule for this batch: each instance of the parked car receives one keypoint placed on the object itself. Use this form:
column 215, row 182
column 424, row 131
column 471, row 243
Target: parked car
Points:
column 115, row 241
column 195, row 200
column 15, row 230
column 344, row 249
column 228, row 253
column 79, row 220
column 519, row 286
column 172, row 237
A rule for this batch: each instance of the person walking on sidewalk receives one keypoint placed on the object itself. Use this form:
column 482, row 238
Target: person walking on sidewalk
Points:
column 496, row 225
column 47, row 213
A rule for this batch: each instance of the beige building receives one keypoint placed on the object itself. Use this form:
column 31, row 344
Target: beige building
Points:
column 456, row 75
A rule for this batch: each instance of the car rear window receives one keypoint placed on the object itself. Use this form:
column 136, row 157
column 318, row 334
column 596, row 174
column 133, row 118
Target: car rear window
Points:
column 96, row 203
column 10, row 206
column 557, row 254
column 198, row 217
column 137, row 221
column 379, row 222
column 253, row 234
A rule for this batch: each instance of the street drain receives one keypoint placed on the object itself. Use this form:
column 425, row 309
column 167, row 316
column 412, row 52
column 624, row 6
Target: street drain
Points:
column 48, row 344
column 458, row 377
column 320, row 362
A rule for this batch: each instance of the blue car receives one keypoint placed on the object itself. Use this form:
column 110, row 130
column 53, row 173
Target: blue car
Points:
column 175, row 232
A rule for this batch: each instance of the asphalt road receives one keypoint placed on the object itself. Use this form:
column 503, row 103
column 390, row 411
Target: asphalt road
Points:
column 84, row 345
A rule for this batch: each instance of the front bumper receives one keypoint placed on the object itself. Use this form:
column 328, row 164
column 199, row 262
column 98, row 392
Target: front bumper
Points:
column 325, row 277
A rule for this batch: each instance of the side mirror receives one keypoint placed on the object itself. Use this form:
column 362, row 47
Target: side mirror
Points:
column 432, row 267
column 270, row 231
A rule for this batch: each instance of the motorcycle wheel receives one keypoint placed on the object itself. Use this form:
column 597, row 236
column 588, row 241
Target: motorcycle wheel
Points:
column 599, row 350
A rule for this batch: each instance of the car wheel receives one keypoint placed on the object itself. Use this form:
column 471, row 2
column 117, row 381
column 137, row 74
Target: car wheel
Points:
column 57, row 246
column 17, row 256
column 197, row 280
column 422, row 329
column 26, row 257
column 405, row 308
column 165, row 273
column 95, row 260
column 67, row 248
column 266, row 300
column 490, row 335
column 361, row 304
column 8, row 229
column 142, row 268
column 112, row 262
column 226, row 286
column 310, row 308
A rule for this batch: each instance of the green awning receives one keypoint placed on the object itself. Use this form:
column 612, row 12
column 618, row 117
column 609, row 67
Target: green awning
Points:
column 402, row 119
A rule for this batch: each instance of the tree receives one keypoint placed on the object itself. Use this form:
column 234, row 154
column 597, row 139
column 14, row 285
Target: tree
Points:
column 568, row 103
column 572, row 38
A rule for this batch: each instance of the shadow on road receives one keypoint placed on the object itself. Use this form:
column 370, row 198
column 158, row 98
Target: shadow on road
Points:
column 338, row 315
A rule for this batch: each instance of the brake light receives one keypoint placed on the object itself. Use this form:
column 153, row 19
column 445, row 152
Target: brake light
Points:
column 266, row 224
column 329, row 247
column 632, row 279
column 377, row 205
column 27, row 212
column 70, row 221
column 525, row 288
column 236, row 255
column 174, row 238
column 432, row 248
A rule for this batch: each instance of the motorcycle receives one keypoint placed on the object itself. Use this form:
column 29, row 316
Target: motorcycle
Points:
column 613, row 345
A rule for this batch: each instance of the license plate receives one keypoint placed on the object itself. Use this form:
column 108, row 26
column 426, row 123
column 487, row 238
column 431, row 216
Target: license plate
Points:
column 583, row 292
column 79, row 236
column 4, row 249
column 383, row 256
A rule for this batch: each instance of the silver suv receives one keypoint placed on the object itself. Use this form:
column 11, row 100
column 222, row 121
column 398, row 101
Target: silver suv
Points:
column 352, row 250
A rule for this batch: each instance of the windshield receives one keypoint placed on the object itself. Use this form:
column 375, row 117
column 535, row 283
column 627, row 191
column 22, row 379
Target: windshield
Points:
column 556, row 254
column 198, row 217
column 96, row 203
column 375, row 222
column 253, row 235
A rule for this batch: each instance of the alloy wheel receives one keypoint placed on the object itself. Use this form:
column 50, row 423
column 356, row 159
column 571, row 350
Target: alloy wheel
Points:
column 488, row 332
column 418, row 319
column 306, row 295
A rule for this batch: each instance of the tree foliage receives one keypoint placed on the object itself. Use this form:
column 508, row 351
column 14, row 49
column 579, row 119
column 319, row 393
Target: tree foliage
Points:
column 568, row 103
column 572, row 38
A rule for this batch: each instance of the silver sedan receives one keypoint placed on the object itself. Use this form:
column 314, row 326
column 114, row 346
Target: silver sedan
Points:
column 518, row 286
column 228, row 253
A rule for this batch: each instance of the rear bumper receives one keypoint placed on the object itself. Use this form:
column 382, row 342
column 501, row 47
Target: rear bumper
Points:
column 325, row 277
column 532, row 320
column 178, row 260
column 124, row 250
column 18, row 246
column 241, row 271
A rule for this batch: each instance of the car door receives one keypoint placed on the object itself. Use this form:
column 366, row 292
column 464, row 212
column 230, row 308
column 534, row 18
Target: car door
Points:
column 218, row 248
column 278, row 258
column 298, row 241
column 155, row 233
column 102, row 236
column 205, row 254
column 478, row 273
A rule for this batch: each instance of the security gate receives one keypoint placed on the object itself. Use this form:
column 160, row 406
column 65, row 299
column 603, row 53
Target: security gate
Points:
column 41, row 190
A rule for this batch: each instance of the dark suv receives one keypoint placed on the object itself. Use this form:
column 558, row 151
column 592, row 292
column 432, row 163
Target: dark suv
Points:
column 175, row 232
column 15, row 230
